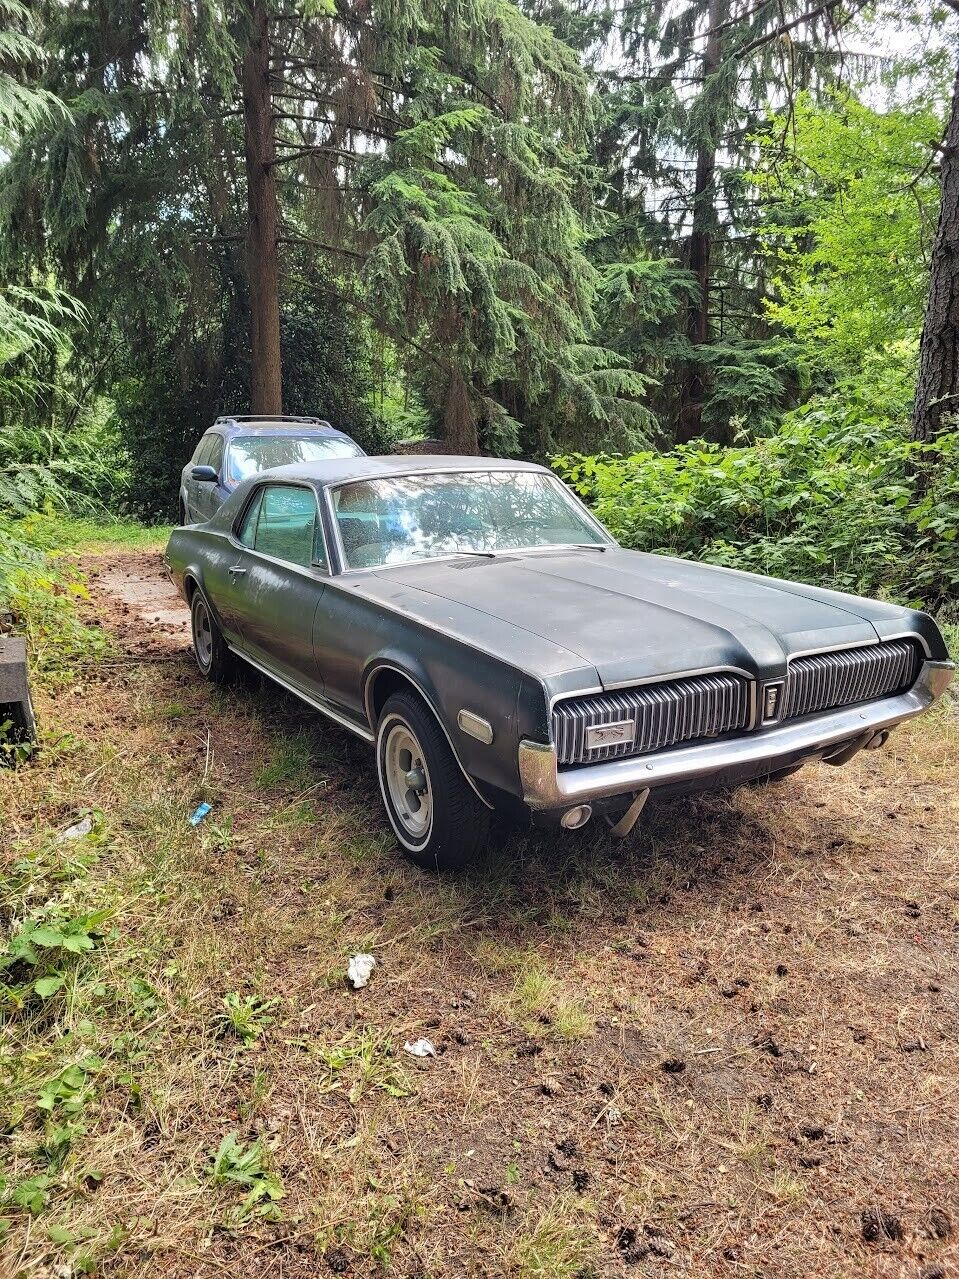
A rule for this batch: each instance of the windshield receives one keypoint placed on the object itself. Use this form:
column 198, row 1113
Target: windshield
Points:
column 413, row 517
column 250, row 454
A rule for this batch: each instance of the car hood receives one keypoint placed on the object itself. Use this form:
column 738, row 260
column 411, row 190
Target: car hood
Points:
column 634, row 616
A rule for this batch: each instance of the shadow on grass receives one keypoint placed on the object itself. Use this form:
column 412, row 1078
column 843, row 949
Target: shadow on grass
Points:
column 529, row 876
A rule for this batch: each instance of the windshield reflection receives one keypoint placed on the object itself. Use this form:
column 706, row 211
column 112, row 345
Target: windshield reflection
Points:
column 399, row 519
column 250, row 454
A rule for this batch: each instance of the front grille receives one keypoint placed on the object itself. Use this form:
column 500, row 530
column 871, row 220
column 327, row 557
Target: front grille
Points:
column 678, row 711
column 704, row 706
column 828, row 680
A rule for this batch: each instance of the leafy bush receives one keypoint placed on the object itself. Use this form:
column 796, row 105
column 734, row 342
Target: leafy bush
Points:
column 838, row 496
column 40, row 595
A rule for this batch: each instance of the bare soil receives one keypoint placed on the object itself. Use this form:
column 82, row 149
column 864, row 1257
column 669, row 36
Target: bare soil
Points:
column 727, row 1047
column 138, row 603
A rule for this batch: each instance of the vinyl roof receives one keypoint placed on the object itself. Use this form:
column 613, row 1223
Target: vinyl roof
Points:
column 339, row 470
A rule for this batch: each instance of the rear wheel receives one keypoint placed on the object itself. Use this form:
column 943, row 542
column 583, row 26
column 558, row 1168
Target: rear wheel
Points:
column 438, row 818
column 209, row 647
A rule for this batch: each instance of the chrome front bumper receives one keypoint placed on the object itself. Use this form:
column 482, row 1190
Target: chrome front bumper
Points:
column 547, row 786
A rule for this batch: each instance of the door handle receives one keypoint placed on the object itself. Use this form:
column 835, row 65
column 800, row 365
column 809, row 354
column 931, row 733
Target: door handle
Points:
column 236, row 571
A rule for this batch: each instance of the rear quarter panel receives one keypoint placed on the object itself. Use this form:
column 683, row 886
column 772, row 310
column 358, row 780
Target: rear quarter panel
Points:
column 198, row 553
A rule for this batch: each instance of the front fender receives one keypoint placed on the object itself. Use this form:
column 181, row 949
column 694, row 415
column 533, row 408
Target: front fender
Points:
column 460, row 681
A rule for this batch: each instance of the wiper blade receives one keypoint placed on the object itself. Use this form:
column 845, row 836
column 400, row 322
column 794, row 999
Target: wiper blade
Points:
column 488, row 555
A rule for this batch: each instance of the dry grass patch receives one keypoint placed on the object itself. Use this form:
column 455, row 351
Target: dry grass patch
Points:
column 730, row 1046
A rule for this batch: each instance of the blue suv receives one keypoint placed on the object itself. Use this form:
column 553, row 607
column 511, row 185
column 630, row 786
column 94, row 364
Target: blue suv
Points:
column 236, row 447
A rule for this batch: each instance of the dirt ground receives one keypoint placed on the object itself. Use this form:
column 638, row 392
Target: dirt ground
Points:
column 728, row 1047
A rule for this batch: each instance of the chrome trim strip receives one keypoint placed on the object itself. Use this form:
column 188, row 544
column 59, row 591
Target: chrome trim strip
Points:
column 476, row 726
column 290, row 687
column 659, row 679
column 545, row 786
column 869, row 643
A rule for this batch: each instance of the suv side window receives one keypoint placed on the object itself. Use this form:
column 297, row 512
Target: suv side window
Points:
column 204, row 456
column 288, row 526
column 200, row 452
column 216, row 453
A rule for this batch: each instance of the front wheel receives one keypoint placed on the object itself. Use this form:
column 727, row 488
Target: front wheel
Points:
column 439, row 820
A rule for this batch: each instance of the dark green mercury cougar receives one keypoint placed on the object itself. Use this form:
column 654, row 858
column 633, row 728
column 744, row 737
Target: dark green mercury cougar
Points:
column 472, row 620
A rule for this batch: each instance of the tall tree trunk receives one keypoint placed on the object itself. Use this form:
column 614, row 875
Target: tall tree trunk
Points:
column 700, row 240
column 459, row 425
column 937, row 392
column 266, row 386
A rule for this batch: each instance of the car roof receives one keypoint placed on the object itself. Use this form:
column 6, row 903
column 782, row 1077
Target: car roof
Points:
column 307, row 426
column 340, row 470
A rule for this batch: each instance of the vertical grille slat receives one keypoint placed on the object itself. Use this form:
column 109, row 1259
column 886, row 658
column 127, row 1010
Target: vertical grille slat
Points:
column 828, row 680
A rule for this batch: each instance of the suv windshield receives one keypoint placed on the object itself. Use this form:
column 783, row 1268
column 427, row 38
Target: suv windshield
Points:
column 250, row 454
column 413, row 517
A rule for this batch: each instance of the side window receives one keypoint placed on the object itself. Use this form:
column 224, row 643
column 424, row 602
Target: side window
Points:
column 289, row 525
column 247, row 531
column 216, row 453
column 202, row 452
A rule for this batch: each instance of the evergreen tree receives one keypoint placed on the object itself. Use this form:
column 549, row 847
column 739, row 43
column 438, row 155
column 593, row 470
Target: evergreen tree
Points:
column 424, row 164
column 694, row 83
column 34, row 315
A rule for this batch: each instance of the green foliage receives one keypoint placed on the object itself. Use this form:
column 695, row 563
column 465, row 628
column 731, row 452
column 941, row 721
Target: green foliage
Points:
column 852, row 204
column 67, row 464
column 235, row 1164
column 833, row 497
column 71, row 1088
column 366, row 1057
column 45, row 944
column 33, row 337
column 245, row 1016
column 41, row 593
column 22, row 104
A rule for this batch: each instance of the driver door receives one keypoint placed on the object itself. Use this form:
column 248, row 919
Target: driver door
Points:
column 277, row 581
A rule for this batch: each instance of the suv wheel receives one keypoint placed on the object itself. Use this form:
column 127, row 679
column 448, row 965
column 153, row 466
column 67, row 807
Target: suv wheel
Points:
column 209, row 647
column 436, row 815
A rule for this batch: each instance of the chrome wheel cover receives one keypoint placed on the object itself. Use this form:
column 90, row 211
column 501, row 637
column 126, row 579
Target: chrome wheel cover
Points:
column 202, row 633
column 407, row 780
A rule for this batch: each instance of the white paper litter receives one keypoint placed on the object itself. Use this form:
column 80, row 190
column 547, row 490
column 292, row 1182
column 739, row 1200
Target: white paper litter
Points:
column 421, row 1048
column 77, row 831
column 358, row 970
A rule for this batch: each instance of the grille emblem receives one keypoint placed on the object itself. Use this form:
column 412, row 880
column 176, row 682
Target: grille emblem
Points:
column 610, row 734
column 772, row 699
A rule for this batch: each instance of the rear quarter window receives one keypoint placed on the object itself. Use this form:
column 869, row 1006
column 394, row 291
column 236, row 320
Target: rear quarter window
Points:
column 288, row 525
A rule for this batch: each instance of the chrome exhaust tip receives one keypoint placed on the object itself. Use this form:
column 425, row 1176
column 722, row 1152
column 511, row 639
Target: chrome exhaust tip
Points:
column 575, row 818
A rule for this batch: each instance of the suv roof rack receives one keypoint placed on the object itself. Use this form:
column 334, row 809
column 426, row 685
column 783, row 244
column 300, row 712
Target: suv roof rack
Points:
column 269, row 417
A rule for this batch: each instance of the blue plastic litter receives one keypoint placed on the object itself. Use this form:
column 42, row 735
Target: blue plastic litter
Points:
column 198, row 816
